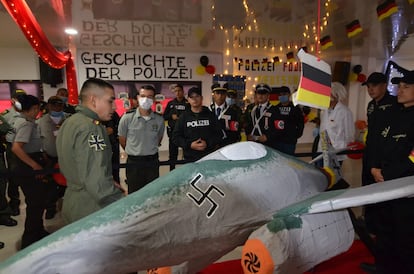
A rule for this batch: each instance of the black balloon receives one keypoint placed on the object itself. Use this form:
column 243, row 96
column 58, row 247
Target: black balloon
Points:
column 204, row 61
column 357, row 69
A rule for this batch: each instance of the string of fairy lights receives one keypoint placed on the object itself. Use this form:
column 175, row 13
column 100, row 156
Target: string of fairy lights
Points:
column 278, row 51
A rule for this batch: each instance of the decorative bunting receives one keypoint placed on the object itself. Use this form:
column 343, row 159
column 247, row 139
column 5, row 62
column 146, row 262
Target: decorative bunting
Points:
column 386, row 9
column 315, row 82
column 353, row 28
column 326, row 42
column 276, row 59
column 290, row 57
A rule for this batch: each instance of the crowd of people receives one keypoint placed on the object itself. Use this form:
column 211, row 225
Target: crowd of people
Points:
column 89, row 138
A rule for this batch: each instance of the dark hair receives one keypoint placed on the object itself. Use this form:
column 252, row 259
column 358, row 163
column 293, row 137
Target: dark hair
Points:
column 93, row 82
column 178, row 86
column 148, row 87
column 27, row 101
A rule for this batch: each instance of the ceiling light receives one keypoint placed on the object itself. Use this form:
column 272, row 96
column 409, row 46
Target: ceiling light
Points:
column 71, row 31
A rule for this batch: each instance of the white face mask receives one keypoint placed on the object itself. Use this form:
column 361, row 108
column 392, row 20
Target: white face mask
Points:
column 145, row 103
column 18, row 105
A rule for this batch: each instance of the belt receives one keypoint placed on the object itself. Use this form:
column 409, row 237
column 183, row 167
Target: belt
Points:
column 144, row 157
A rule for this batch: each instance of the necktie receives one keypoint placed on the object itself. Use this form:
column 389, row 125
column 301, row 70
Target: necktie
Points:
column 218, row 110
column 258, row 112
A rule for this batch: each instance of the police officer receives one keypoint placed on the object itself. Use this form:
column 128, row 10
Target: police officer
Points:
column 140, row 134
column 395, row 240
column 262, row 126
column 29, row 159
column 10, row 115
column 197, row 130
column 379, row 112
column 290, row 122
column 84, row 153
column 227, row 115
column 172, row 112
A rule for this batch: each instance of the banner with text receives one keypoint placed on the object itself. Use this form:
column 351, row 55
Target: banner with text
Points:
column 142, row 66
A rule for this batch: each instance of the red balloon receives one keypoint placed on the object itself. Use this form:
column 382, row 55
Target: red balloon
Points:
column 58, row 177
column 361, row 78
column 210, row 69
column 355, row 146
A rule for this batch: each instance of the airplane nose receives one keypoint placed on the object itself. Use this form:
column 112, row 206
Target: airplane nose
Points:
column 256, row 258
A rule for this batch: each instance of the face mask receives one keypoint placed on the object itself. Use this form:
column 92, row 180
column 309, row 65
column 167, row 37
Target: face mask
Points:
column 145, row 103
column 284, row 98
column 17, row 105
column 56, row 113
column 230, row 101
column 56, row 120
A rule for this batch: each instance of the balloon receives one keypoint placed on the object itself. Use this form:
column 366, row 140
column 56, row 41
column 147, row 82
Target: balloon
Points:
column 210, row 69
column 353, row 77
column 357, row 69
column 362, row 78
column 355, row 146
column 199, row 33
column 200, row 70
column 360, row 124
column 204, row 61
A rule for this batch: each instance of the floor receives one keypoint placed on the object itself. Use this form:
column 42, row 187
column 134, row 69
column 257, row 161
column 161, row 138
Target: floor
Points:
column 11, row 235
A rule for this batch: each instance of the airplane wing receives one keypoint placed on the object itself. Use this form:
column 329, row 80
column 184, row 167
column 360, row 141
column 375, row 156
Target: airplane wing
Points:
column 309, row 232
column 370, row 194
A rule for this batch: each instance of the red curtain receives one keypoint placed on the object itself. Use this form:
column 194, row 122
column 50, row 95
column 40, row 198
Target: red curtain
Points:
column 23, row 16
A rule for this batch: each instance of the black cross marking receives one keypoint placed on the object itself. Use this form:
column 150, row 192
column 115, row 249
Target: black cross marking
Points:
column 205, row 195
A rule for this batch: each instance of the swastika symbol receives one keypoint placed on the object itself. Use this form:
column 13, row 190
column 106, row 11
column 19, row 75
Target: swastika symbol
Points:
column 205, row 195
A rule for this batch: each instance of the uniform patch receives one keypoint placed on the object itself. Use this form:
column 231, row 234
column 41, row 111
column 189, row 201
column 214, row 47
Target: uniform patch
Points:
column 280, row 124
column 234, row 126
column 96, row 142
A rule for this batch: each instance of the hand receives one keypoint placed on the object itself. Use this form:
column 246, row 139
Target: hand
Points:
column 118, row 186
column 37, row 167
column 199, row 145
column 174, row 116
column 109, row 130
column 262, row 138
column 377, row 174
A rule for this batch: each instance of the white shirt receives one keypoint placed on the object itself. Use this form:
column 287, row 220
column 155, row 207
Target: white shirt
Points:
column 339, row 124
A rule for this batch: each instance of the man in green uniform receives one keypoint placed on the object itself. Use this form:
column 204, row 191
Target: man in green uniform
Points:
column 84, row 153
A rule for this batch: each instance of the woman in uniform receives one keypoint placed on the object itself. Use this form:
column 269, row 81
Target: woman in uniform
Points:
column 29, row 159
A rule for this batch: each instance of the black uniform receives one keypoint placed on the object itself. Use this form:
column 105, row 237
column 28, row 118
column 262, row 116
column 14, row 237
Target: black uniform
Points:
column 395, row 240
column 113, row 138
column 290, row 122
column 379, row 114
column 173, row 107
column 192, row 126
column 266, row 124
column 229, row 121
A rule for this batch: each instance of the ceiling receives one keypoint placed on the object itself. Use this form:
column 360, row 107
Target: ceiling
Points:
column 380, row 39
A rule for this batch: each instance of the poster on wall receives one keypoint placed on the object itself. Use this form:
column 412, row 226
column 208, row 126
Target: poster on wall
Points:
column 145, row 25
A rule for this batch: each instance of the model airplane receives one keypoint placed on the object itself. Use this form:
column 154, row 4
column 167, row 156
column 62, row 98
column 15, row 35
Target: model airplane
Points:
column 194, row 215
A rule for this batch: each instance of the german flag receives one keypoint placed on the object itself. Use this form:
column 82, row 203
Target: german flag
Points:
column 290, row 57
column 353, row 28
column 326, row 42
column 386, row 9
column 315, row 82
column 411, row 156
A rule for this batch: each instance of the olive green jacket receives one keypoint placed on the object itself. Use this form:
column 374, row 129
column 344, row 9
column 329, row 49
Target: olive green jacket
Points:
column 84, row 153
